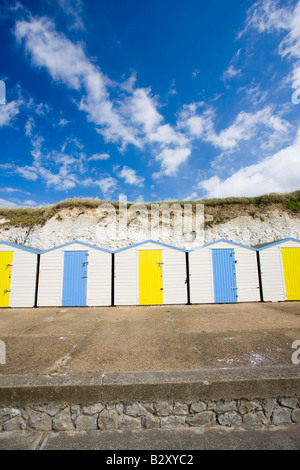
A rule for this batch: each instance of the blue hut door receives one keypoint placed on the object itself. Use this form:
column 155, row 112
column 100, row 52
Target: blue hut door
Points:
column 225, row 288
column 75, row 279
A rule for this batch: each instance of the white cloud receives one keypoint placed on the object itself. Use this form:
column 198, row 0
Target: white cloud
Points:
column 42, row 109
column 166, row 135
column 6, row 203
column 63, row 122
column 107, row 185
column 131, row 117
column 170, row 160
column 197, row 125
column 230, row 73
column 142, row 110
column 191, row 197
column 110, row 122
column 254, row 93
column 73, row 9
column 172, row 90
column 28, row 172
column 290, row 45
column 63, row 180
column 56, row 169
column 99, row 156
column 67, row 63
column 245, row 126
column 268, row 16
column 278, row 173
column 29, row 126
column 9, row 111
column 12, row 190
column 130, row 176
column 29, row 203
column 72, row 141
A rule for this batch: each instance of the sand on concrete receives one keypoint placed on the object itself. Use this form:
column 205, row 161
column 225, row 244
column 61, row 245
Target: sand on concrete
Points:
column 117, row 339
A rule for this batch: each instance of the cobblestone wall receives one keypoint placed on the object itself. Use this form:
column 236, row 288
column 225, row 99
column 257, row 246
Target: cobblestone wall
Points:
column 259, row 412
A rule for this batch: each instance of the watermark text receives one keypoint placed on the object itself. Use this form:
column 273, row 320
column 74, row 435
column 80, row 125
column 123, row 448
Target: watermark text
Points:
column 2, row 92
column 296, row 354
column 169, row 222
column 296, row 94
column 2, row 353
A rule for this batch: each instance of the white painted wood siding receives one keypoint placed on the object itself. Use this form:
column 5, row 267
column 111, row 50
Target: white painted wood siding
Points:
column 51, row 276
column 23, row 277
column 50, row 279
column 273, row 283
column 201, row 277
column 99, row 278
column 247, row 277
column 201, row 273
column 174, row 276
column 127, row 275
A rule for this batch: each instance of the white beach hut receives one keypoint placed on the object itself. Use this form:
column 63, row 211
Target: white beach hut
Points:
column 223, row 272
column 150, row 273
column 280, row 270
column 18, row 275
column 75, row 274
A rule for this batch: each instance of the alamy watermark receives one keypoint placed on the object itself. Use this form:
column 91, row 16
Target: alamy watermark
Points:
column 296, row 94
column 2, row 92
column 2, row 353
column 172, row 222
column 296, row 354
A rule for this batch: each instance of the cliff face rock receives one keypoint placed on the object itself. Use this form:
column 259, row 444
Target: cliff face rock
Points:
column 250, row 231
column 246, row 224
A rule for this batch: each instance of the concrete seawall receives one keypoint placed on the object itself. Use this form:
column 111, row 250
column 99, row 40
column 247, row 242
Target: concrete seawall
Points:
column 86, row 401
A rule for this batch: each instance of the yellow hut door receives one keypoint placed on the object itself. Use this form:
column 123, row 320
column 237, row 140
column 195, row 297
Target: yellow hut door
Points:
column 150, row 277
column 6, row 258
column 291, row 268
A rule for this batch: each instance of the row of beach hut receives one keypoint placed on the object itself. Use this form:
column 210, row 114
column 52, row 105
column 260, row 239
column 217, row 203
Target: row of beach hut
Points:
column 78, row 274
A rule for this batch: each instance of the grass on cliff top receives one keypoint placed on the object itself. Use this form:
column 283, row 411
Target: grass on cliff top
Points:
column 32, row 216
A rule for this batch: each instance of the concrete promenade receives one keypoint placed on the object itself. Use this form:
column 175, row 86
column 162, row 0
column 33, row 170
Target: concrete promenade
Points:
column 153, row 356
column 164, row 338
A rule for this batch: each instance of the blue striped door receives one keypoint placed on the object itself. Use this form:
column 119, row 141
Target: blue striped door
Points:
column 224, row 276
column 75, row 279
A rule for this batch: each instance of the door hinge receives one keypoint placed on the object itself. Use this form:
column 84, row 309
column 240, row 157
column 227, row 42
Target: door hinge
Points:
column 8, row 265
column 6, row 291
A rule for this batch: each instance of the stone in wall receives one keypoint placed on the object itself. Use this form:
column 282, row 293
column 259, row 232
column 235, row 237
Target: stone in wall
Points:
column 161, row 414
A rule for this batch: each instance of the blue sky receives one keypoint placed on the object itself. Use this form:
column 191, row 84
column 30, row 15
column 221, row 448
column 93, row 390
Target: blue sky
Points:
column 151, row 100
